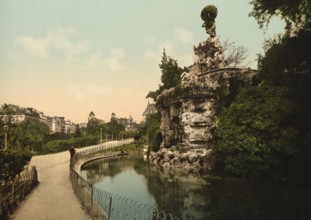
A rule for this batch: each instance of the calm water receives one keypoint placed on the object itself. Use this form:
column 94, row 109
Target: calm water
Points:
column 199, row 197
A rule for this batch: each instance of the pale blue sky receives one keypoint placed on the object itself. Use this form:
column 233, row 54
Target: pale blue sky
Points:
column 67, row 58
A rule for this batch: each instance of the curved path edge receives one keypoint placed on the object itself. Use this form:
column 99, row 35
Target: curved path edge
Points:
column 53, row 198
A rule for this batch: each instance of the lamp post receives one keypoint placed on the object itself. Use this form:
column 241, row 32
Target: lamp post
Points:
column 101, row 137
column 5, row 129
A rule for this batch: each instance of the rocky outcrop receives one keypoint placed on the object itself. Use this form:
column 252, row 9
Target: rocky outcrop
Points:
column 189, row 110
column 192, row 161
column 189, row 113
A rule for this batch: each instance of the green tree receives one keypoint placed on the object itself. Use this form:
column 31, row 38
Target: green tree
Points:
column 252, row 135
column 170, row 72
column 29, row 133
column 287, row 63
column 295, row 13
column 170, row 77
column 33, row 134
column 8, row 114
column 78, row 132
column 93, row 124
column 113, row 128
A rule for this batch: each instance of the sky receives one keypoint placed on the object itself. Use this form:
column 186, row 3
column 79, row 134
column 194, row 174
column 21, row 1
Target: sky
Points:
column 68, row 58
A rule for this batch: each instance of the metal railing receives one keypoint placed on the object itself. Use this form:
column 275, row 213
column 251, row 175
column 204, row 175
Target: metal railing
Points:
column 100, row 204
column 98, row 148
column 12, row 193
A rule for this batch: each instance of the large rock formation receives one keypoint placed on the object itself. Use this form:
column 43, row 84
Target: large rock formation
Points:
column 189, row 110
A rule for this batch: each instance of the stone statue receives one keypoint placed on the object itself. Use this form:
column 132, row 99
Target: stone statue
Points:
column 189, row 111
column 209, row 54
column 208, row 15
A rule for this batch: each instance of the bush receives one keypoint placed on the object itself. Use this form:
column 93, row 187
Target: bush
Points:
column 252, row 135
column 153, row 132
column 127, row 134
column 63, row 145
column 12, row 162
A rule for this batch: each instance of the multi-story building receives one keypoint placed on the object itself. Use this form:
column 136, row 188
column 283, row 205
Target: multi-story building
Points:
column 150, row 110
column 70, row 127
column 128, row 123
column 13, row 118
column 55, row 124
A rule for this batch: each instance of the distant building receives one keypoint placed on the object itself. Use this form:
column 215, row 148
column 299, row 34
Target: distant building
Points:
column 83, row 125
column 150, row 110
column 58, row 124
column 55, row 124
column 13, row 118
column 70, row 127
column 113, row 117
column 92, row 117
column 128, row 123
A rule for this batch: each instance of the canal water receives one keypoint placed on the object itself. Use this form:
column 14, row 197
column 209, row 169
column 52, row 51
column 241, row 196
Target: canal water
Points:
column 202, row 196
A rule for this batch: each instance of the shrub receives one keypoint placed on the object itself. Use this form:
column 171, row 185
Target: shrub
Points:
column 252, row 135
column 63, row 145
column 153, row 132
column 12, row 162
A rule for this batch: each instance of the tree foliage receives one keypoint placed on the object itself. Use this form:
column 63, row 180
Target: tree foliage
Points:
column 252, row 135
column 127, row 134
column 63, row 145
column 287, row 62
column 92, row 124
column 29, row 133
column 32, row 134
column 113, row 129
column 153, row 132
column 295, row 13
column 266, row 128
column 12, row 162
column 170, row 72
column 170, row 77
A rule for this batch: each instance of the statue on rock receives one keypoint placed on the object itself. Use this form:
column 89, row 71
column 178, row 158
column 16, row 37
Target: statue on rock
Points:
column 208, row 15
column 209, row 54
column 189, row 110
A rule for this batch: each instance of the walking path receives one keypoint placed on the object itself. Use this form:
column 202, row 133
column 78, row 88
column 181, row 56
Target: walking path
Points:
column 53, row 198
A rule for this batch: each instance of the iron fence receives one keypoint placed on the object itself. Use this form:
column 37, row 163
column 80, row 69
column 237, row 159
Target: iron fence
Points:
column 12, row 193
column 98, row 148
column 100, row 204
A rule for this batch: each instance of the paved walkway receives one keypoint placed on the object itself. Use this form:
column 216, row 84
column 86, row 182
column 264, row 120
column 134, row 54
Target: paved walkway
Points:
column 53, row 198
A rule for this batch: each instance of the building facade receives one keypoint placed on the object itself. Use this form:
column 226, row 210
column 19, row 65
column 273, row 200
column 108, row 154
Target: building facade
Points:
column 150, row 110
column 128, row 123
column 55, row 124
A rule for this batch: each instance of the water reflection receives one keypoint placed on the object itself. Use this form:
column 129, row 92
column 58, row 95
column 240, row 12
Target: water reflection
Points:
column 198, row 197
column 119, row 177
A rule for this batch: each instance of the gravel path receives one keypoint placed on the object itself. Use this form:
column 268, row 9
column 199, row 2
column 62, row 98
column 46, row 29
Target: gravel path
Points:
column 53, row 198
